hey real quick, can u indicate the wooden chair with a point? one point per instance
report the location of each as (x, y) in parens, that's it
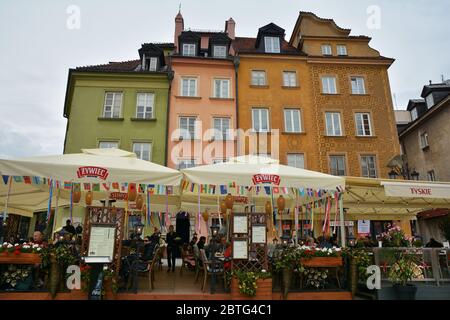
(150, 270)
(209, 268)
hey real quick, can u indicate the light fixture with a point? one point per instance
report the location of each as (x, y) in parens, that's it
(214, 230)
(138, 229)
(415, 175)
(392, 174)
(351, 241)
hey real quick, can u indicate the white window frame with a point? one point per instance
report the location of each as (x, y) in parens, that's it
(335, 170)
(260, 124)
(256, 77)
(374, 170)
(330, 128)
(431, 175)
(153, 64)
(414, 114)
(289, 78)
(221, 134)
(192, 163)
(272, 44)
(185, 132)
(295, 160)
(146, 114)
(289, 114)
(429, 100)
(359, 120)
(116, 143)
(189, 49)
(113, 107)
(423, 137)
(220, 160)
(329, 83)
(341, 50)
(358, 85)
(141, 150)
(219, 51)
(221, 94)
(327, 50)
(189, 81)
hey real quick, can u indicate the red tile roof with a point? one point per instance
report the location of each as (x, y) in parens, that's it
(125, 66)
(247, 45)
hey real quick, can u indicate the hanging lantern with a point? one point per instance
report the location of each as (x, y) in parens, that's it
(89, 198)
(139, 201)
(223, 208)
(281, 203)
(132, 192)
(205, 216)
(76, 194)
(268, 207)
(229, 201)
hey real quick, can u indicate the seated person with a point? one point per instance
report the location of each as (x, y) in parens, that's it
(188, 257)
(222, 246)
(149, 248)
(324, 243)
(38, 238)
(271, 248)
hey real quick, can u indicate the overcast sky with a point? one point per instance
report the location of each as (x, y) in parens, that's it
(37, 47)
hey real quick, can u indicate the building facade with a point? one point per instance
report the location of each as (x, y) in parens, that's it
(121, 105)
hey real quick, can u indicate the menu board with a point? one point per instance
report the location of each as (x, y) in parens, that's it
(259, 234)
(240, 249)
(101, 242)
(363, 226)
(240, 223)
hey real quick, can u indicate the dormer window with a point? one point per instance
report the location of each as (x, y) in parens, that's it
(188, 49)
(220, 51)
(430, 100)
(414, 114)
(272, 44)
(150, 64)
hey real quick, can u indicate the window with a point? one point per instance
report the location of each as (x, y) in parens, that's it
(220, 51)
(221, 88)
(258, 78)
(424, 140)
(368, 167)
(333, 123)
(358, 85)
(289, 79)
(292, 120)
(113, 104)
(189, 87)
(414, 114)
(144, 107)
(341, 50)
(187, 127)
(272, 44)
(260, 120)
(337, 165)
(150, 64)
(186, 163)
(108, 145)
(430, 100)
(221, 128)
(326, 50)
(431, 175)
(143, 151)
(220, 160)
(296, 160)
(188, 49)
(329, 85)
(363, 126)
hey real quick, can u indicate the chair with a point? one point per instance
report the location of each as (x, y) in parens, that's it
(186, 260)
(209, 268)
(151, 265)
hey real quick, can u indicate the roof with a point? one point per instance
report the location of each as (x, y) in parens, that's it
(248, 45)
(413, 103)
(125, 66)
(445, 86)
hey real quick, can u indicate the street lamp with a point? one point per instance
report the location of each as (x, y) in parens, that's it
(415, 175)
(214, 230)
(393, 175)
(351, 241)
(138, 228)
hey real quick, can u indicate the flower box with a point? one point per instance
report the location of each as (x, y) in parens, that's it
(263, 291)
(322, 262)
(22, 258)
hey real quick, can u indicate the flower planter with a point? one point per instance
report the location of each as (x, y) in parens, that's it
(407, 292)
(109, 292)
(22, 258)
(322, 262)
(263, 291)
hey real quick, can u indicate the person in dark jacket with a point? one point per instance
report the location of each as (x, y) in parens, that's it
(69, 227)
(172, 248)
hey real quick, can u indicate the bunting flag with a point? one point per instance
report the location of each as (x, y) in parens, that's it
(169, 190)
(5, 179)
(18, 179)
(106, 186)
(76, 187)
(285, 190)
(87, 186)
(276, 190)
(27, 179)
(96, 187)
(267, 190)
(37, 180)
(148, 213)
(123, 187)
(223, 189)
(115, 186)
(49, 208)
(68, 185)
(336, 197)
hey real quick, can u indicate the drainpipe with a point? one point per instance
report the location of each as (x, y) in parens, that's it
(170, 76)
(236, 62)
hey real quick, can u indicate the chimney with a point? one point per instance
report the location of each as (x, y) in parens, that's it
(179, 27)
(230, 26)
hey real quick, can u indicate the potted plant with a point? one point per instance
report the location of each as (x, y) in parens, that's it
(253, 285)
(110, 284)
(285, 262)
(402, 272)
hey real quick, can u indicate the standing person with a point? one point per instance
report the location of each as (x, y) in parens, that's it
(69, 227)
(172, 247)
